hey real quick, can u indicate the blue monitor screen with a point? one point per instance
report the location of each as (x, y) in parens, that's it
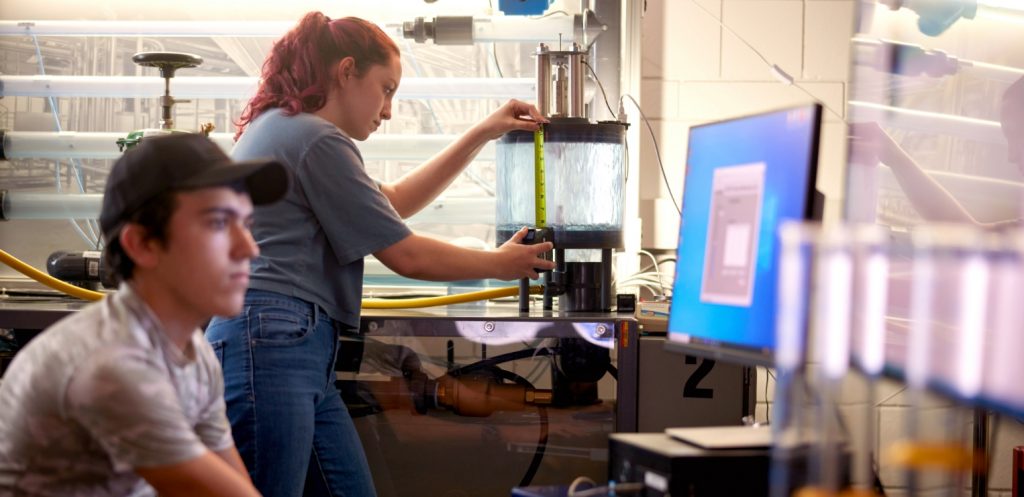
(743, 178)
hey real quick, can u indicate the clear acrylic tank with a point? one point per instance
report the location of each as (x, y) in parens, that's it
(584, 179)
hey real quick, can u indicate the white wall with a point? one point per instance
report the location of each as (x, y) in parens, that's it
(694, 71)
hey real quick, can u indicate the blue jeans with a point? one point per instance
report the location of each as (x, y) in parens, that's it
(288, 420)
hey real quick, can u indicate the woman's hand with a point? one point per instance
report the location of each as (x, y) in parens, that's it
(522, 261)
(514, 115)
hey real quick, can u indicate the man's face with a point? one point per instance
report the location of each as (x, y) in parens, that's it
(204, 264)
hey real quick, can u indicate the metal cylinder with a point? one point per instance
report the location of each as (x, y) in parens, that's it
(167, 117)
(524, 295)
(577, 76)
(453, 30)
(543, 80)
(561, 107)
(607, 290)
(583, 286)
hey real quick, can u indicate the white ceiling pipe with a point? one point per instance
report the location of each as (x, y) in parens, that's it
(242, 87)
(928, 122)
(29, 205)
(485, 29)
(146, 28)
(515, 28)
(25, 205)
(95, 145)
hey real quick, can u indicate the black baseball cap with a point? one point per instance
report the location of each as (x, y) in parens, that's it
(181, 161)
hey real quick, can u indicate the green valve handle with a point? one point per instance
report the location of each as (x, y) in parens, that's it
(540, 204)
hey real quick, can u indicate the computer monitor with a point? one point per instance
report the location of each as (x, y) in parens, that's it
(744, 177)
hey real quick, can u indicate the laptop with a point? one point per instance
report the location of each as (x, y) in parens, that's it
(724, 437)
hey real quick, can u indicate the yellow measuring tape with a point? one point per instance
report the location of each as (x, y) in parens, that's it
(540, 210)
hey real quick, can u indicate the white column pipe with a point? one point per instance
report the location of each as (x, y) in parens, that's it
(146, 28)
(96, 145)
(514, 28)
(929, 122)
(25, 205)
(485, 29)
(242, 87)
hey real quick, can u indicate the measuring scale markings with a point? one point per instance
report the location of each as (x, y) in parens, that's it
(540, 203)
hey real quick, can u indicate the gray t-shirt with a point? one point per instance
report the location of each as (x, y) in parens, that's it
(312, 243)
(102, 392)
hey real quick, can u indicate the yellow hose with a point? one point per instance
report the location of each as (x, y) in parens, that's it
(84, 294)
(447, 299)
(48, 280)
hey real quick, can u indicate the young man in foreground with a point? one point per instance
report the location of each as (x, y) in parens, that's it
(125, 397)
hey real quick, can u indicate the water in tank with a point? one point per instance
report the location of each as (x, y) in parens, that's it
(584, 180)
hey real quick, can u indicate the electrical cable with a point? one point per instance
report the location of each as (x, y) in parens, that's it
(494, 54)
(649, 286)
(653, 289)
(776, 71)
(537, 370)
(494, 45)
(661, 281)
(657, 151)
(640, 280)
(542, 444)
(651, 281)
(599, 85)
(418, 72)
(503, 358)
(535, 373)
(542, 412)
(580, 480)
(542, 439)
(891, 396)
(549, 14)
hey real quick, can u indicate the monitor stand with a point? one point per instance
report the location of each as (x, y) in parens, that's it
(724, 437)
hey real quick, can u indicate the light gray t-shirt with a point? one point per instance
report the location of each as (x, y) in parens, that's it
(102, 392)
(312, 243)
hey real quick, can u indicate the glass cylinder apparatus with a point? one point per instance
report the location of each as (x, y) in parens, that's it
(584, 176)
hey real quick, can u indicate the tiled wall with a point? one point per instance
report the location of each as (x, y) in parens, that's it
(695, 71)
